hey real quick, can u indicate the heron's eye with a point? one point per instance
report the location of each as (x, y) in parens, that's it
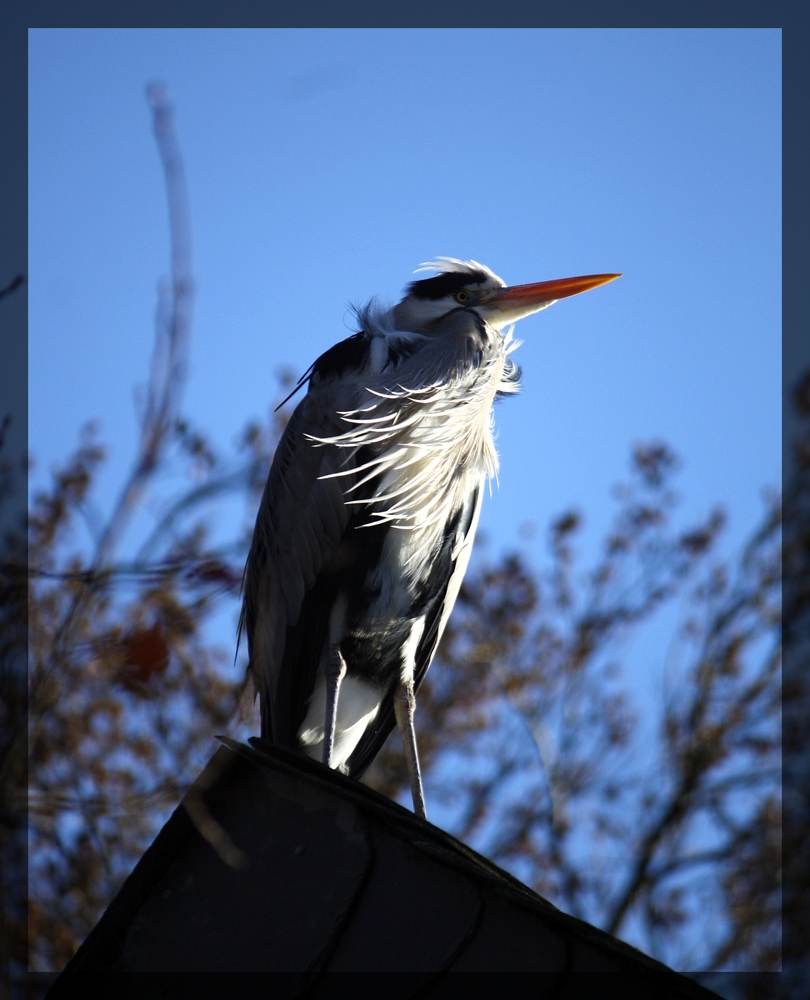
(462, 297)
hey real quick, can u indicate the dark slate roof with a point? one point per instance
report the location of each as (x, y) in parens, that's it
(312, 874)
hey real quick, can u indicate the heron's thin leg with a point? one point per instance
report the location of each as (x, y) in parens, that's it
(404, 708)
(335, 672)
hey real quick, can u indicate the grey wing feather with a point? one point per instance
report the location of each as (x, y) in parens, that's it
(300, 521)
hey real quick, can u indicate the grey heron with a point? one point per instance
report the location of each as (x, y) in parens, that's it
(367, 520)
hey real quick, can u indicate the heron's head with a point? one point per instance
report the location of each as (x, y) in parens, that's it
(466, 284)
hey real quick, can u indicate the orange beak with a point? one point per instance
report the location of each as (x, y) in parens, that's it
(507, 305)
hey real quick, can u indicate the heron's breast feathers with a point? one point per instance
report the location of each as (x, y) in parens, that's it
(410, 452)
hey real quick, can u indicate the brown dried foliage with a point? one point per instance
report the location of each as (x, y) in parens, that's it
(534, 746)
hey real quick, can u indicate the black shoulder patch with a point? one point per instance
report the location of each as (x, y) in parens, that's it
(349, 354)
(446, 283)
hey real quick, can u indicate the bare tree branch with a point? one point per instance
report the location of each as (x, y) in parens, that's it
(173, 325)
(12, 286)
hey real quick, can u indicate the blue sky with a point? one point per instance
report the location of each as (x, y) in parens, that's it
(324, 165)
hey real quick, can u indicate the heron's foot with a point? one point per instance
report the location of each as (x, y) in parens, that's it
(404, 709)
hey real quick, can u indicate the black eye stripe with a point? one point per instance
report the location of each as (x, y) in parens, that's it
(445, 284)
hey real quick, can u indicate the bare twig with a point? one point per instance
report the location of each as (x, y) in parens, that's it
(12, 286)
(168, 363)
(173, 324)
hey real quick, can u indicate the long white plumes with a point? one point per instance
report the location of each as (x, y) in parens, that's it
(428, 439)
(456, 266)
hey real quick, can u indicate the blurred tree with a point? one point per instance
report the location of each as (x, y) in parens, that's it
(13, 881)
(796, 704)
(663, 829)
